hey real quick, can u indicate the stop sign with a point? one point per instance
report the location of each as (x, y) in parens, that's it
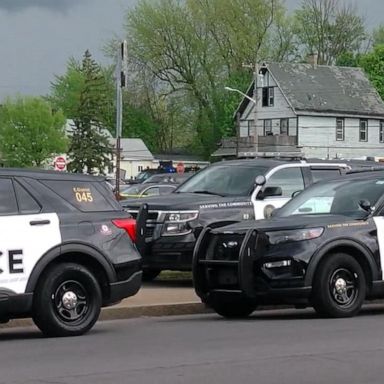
(60, 163)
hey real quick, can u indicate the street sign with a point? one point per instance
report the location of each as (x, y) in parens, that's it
(60, 163)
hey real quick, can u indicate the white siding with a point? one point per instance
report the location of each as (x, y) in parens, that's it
(280, 110)
(132, 166)
(317, 136)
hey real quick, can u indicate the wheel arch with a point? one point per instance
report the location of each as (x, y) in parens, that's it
(77, 253)
(358, 251)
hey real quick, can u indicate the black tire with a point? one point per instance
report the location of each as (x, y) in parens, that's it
(339, 286)
(150, 274)
(67, 300)
(232, 307)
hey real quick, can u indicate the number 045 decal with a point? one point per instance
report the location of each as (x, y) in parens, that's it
(83, 195)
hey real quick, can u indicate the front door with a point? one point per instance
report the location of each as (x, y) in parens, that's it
(289, 179)
(26, 235)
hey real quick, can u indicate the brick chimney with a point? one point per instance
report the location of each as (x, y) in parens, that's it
(312, 59)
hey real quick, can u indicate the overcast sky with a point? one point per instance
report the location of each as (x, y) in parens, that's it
(37, 37)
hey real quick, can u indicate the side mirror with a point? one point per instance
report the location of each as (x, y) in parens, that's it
(260, 180)
(270, 192)
(365, 205)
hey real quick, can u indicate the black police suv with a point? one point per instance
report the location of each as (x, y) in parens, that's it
(324, 248)
(66, 250)
(224, 191)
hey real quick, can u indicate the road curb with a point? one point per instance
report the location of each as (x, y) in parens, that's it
(116, 313)
(121, 313)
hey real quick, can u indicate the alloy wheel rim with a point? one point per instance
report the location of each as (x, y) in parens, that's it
(71, 302)
(343, 286)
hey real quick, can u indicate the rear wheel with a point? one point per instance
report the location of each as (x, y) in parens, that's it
(150, 274)
(67, 300)
(339, 286)
(232, 307)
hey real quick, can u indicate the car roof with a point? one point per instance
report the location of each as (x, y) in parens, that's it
(364, 174)
(354, 175)
(268, 163)
(273, 162)
(36, 173)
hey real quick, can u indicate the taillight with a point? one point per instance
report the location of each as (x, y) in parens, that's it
(129, 225)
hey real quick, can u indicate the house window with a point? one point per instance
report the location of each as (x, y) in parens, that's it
(268, 127)
(284, 126)
(265, 79)
(250, 128)
(363, 131)
(140, 168)
(340, 129)
(268, 96)
(381, 131)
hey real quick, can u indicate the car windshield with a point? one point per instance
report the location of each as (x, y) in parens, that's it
(131, 190)
(339, 197)
(223, 180)
(162, 177)
(143, 175)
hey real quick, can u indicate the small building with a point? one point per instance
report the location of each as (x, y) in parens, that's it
(318, 111)
(135, 156)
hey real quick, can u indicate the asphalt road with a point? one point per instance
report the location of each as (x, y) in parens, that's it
(288, 346)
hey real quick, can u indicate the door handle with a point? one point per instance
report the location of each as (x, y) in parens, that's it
(39, 222)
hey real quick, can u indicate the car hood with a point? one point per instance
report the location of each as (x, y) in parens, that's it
(285, 223)
(175, 201)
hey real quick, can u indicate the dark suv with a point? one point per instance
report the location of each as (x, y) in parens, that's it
(227, 191)
(66, 250)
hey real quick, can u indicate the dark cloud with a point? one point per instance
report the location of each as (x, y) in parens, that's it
(54, 5)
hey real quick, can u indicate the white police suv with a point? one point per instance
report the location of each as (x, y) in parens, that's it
(66, 250)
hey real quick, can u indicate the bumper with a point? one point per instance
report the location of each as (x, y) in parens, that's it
(242, 276)
(173, 253)
(122, 289)
(15, 305)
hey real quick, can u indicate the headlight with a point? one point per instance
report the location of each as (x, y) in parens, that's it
(177, 217)
(294, 235)
(176, 223)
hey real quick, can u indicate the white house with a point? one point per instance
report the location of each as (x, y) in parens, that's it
(135, 156)
(321, 111)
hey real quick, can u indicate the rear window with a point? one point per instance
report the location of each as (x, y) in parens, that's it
(84, 195)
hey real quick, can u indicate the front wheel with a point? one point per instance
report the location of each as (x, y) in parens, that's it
(339, 286)
(232, 307)
(67, 300)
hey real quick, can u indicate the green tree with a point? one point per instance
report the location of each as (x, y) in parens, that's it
(85, 93)
(156, 118)
(195, 48)
(373, 65)
(378, 36)
(329, 28)
(30, 132)
(348, 59)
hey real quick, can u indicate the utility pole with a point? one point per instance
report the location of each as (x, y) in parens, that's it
(255, 97)
(237, 133)
(121, 82)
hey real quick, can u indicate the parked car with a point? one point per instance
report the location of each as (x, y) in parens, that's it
(146, 189)
(324, 248)
(168, 178)
(225, 191)
(144, 175)
(66, 250)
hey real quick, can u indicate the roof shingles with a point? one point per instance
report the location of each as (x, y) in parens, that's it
(327, 89)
